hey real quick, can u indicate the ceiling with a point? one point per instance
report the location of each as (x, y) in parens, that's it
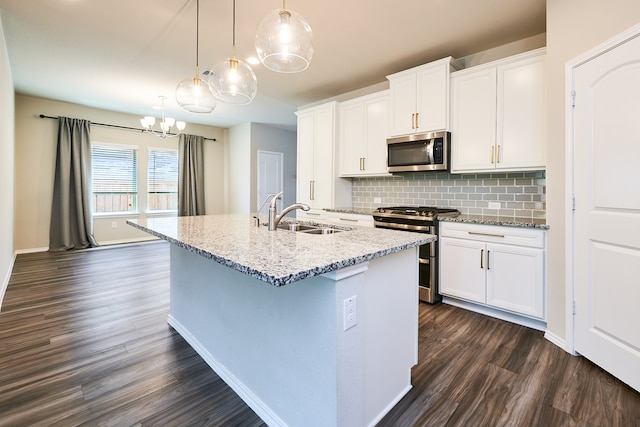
(121, 55)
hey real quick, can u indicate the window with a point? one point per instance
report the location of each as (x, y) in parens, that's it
(114, 178)
(162, 180)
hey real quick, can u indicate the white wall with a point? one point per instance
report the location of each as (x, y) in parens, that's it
(6, 166)
(35, 151)
(238, 162)
(573, 27)
(268, 138)
(244, 142)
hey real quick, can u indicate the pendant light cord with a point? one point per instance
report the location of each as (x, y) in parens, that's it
(234, 25)
(197, 32)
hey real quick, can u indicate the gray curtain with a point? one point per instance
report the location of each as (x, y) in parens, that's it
(71, 222)
(191, 175)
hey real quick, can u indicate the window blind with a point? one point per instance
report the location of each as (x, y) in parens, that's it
(162, 179)
(114, 178)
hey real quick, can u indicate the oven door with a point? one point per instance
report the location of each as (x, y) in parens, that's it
(427, 260)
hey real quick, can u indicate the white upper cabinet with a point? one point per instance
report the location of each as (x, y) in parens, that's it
(498, 115)
(364, 127)
(420, 98)
(318, 184)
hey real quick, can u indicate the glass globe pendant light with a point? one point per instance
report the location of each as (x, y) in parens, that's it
(233, 81)
(194, 94)
(284, 41)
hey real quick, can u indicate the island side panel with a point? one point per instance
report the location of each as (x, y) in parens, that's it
(391, 331)
(281, 348)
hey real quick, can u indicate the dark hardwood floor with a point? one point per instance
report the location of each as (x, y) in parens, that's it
(84, 341)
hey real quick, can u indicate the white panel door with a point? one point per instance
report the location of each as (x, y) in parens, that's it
(270, 178)
(606, 269)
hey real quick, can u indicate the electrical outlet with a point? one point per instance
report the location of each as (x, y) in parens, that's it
(495, 205)
(350, 312)
(377, 200)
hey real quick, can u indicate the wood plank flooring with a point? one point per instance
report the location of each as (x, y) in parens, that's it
(84, 341)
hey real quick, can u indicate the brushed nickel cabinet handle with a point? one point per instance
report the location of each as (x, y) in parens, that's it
(417, 120)
(364, 167)
(492, 153)
(498, 154)
(488, 263)
(481, 257)
(475, 233)
(413, 121)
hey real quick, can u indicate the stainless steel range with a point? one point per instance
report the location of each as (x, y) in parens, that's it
(421, 219)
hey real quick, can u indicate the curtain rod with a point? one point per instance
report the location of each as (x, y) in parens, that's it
(42, 116)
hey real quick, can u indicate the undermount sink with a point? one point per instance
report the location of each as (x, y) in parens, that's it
(308, 229)
(294, 226)
(322, 231)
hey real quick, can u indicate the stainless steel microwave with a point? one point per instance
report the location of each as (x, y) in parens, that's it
(419, 152)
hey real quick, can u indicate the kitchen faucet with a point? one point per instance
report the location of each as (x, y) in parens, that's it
(274, 218)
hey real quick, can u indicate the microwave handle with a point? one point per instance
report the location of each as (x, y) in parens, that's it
(430, 157)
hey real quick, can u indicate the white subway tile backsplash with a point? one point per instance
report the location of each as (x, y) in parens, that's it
(521, 194)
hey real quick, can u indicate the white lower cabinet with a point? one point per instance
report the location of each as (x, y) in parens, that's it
(498, 267)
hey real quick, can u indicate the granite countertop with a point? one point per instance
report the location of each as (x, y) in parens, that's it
(359, 211)
(497, 220)
(277, 257)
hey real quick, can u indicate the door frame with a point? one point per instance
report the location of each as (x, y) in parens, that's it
(570, 68)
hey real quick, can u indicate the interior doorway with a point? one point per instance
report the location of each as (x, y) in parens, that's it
(270, 178)
(604, 224)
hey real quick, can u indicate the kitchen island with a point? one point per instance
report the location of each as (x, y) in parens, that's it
(307, 329)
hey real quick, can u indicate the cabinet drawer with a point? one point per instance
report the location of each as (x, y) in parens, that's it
(528, 237)
(349, 219)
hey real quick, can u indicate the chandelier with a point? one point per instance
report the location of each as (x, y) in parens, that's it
(166, 123)
(284, 41)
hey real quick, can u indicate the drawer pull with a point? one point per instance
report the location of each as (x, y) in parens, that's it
(485, 234)
(488, 263)
(348, 219)
(481, 257)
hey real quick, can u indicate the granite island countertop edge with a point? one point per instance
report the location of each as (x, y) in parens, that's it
(280, 275)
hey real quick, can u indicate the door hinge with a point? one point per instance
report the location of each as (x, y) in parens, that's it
(573, 307)
(573, 203)
(573, 98)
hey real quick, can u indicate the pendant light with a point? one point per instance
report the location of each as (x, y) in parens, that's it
(284, 41)
(233, 81)
(194, 94)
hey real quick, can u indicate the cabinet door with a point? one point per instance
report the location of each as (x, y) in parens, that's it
(323, 165)
(305, 157)
(521, 130)
(377, 130)
(432, 99)
(473, 120)
(403, 105)
(515, 279)
(462, 272)
(352, 138)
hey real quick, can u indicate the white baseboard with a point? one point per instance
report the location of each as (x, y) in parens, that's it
(5, 282)
(250, 398)
(557, 341)
(125, 241)
(499, 314)
(31, 250)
